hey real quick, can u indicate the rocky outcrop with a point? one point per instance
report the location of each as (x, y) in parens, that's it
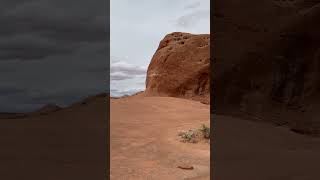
(181, 67)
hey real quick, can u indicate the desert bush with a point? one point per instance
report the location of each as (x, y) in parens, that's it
(188, 136)
(205, 131)
(195, 135)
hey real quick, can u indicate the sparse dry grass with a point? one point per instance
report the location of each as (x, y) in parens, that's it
(195, 135)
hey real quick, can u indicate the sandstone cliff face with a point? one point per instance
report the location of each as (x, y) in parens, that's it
(181, 67)
(267, 62)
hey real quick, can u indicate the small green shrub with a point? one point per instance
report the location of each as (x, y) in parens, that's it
(188, 136)
(195, 135)
(205, 131)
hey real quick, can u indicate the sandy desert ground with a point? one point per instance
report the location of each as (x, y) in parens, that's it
(68, 144)
(247, 150)
(144, 139)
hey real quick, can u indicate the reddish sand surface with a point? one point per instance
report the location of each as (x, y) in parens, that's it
(247, 150)
(144, 139)
(68, 144)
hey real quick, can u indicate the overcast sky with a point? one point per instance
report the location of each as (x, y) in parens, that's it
(136, 30)
(52, 51)
(56, 51)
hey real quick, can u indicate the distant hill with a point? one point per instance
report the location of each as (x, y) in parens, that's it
(11, 115)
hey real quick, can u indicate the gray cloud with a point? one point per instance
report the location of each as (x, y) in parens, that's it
(193, 18)
(119, 76)
(41, 28)
(121, 70)
(119, 93)
(28, 47)
(52, 51)
(193, 5)
(10, 90)
(61, 98)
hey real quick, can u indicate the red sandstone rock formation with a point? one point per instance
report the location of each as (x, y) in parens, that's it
(181, 67)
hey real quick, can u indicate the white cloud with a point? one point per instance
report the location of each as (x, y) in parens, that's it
(121, 70)
(126, 78)
(124, 67)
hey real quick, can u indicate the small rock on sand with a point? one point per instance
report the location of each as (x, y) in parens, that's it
(186, 167)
